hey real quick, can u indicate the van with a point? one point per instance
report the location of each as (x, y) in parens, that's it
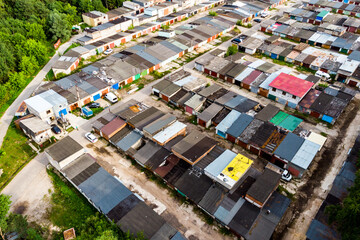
(111, 97)
(323, 75)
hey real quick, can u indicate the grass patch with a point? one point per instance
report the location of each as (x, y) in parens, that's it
(50, 76)
(323, 134)
(15, 153)
(225, 38)
(70, 129)
(324, 85)
(203, 215)
(192, 119)
(73, 45)
(304, 69)
(285, 192)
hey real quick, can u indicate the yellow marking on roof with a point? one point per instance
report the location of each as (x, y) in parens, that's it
(237, 167)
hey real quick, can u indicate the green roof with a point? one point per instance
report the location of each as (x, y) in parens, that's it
(290, 123)
(279, 117)
(322, 14)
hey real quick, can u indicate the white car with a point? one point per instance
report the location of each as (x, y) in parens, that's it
(323, 75)
(111, 97)
(264, 15)
(107, 52)
(91, 137)
(286, 175)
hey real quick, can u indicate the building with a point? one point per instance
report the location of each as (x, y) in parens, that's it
(194, 104)
(48, 105)
(260, 192)
(111, 128)
(36, 129)
(288, 89)
(205, 117)
(95, 18)
(225, 124)
(64, 152)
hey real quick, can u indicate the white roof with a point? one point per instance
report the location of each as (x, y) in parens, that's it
(219, 164)
(305, 154)
(53, 98)
(169, 132)
(38, 104)
(256, 64)
(244, 74)
(316, 138)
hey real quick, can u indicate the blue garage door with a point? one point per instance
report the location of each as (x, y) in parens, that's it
(115, 86)
(221, 134)
(63, 112)
(96, 97)
(273, 56)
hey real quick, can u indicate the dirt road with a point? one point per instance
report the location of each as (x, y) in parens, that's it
(181, 216)
(310, 196)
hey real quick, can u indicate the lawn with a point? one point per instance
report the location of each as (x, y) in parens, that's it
(14, 154)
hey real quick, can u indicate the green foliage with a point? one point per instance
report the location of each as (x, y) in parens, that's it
(73, 45)
(347, 214)
(131, 27)
(213, 13)
(59, 27)
(324, 85)
(239, 23)
(231, 50)
(165, 26)
(4, 209)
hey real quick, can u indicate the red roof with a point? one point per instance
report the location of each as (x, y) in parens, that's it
(252, 76)
(113, 126)
(290, 84)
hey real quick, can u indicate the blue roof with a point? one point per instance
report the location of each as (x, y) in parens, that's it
(128, 141)
(277, 204)
(289, 146)
(240, 125)
(148, 57)
(227, 121)
(305, 154)
(178, 236)
(171, 46)
(65, 83)
(90, 69)
(355, 55)
(348, 171)
(219, 164)
(320, 231)
(232, 103)
(87, 87)
(104, 190)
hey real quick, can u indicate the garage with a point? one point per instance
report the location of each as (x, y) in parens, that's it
(115, 86)
(96, 97)
(352, 83)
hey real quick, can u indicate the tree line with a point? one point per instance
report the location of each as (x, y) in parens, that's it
(28, 30)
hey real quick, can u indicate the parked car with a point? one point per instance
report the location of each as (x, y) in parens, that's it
(91, 137)
(94, 105)
(111, 97)
(258, 20)
(264, 15)
(236, 40)
(286, 175)
(55, 129)
(324, 76)
(107, 52)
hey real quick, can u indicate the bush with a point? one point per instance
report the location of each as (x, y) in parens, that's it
(231, 50)
(212, 13)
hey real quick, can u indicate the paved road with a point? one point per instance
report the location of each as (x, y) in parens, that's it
(30, 88)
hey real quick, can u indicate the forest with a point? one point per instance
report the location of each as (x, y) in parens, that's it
(28, 30)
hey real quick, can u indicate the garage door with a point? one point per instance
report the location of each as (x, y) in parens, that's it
(115, 86)
(63, 112)
(352, 83)
(96, 97)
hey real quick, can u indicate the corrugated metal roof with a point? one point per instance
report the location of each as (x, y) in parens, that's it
(267, 112)
(64, 149)
(146, 152)
(225, 214)
(239, 125)
(128, 141)
(169, 132)
(226, 123)
(232, 103)
(210, 112)
(159, 124)
(195, 101)
(305, 154)
(209, 90)
(289, 146)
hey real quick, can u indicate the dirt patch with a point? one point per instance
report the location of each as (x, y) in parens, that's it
(102, 151)
(307, 192)
(20, 207)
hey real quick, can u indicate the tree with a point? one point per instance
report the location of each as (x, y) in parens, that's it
(232, 50)
(28, 65)
(107, 235)
(36, 49)
(58, 25)
(85, 6)
(4, 209)
(97, 5)
(17, 80)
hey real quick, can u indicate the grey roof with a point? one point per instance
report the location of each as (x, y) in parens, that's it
(209, 90)
(195, 101)
(35, 124)
(267, 112)
(225, 98)
(289, 146)
(159, 124)
(145, 117)
(165, 232)
(210, 112)
(320, 231)
(128, 141)
(212, 199)
(244, 218)
(80, 166)
(335, 107)
(63, 149)
(264, 185)
(239, 125)
(251, 129)
(141, 219)
(146, 152)
(170, 90)
(209, 158)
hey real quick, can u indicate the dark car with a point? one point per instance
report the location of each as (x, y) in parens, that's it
(236, 40)
(257, 20)
(55, 129)
(94, 105)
